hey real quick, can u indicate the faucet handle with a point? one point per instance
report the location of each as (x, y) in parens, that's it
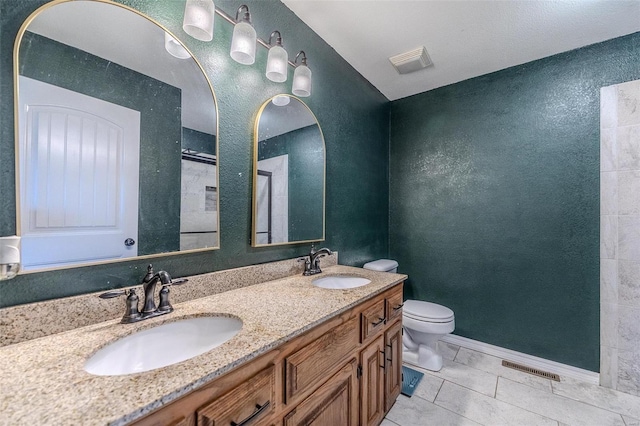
(307, 264)
(165, 305)
(131, 314)
(178, 281)
(149, 274)
(111, 294)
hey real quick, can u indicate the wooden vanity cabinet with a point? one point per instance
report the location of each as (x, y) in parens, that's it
(346, 371)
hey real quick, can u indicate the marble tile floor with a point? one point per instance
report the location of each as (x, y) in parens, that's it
(475, 389)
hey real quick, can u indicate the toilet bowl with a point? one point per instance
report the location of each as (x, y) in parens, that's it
(424, 323)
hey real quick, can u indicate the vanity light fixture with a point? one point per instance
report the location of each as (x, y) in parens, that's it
(243, 43)
(9, 257)
(174, 47)
(277, 61)
(198, 19)
(301, 77)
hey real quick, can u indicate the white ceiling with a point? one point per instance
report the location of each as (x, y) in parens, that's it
(465, 38)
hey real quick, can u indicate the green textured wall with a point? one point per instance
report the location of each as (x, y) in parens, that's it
(55, 63)
(306, 167)
(494, 200)
(198, 141)
(354, 120)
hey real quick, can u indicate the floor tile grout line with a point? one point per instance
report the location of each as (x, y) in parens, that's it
(592, 405)
(522, 408)
(457, 414)
(496, 399)
(559, 396)
(439, 389)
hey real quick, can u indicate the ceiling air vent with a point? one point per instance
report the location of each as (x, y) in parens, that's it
(411, 61)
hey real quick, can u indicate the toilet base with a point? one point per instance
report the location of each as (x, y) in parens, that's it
(425, 357)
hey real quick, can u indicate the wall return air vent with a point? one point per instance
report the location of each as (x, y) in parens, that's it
(411, 61)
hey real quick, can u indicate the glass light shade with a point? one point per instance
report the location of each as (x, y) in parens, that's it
(277, 64)
(198, 19)
(281, 100)
(174, 47)
(243, 43)
(302, 81)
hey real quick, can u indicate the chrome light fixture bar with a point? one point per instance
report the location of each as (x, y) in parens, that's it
(224, 15)
(243, 50)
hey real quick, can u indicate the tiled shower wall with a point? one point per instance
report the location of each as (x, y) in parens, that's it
(620, 237)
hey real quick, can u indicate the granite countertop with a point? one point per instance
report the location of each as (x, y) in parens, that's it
(43, 380)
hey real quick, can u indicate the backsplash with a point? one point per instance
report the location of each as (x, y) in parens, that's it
(620, 237)
(26, 322)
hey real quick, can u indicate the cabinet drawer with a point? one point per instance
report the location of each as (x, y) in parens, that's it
(306, 367)
(372, 319)
(253, 399)
(394, 306)
(335, 403)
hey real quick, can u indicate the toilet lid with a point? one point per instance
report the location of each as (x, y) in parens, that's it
(384, 265)
(428, 311)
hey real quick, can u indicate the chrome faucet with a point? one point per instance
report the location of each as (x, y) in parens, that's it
(312, 262)
(149, 310)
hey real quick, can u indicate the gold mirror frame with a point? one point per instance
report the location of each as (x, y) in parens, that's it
(256, 141)
(18, 185)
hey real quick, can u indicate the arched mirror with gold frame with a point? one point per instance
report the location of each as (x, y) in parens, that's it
(289, 159)
(116, 139)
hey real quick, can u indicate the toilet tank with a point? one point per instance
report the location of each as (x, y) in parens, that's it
(383, 265)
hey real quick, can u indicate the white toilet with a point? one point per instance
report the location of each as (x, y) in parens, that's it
(423, 323)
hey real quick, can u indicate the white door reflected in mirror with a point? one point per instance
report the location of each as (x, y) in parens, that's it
(79, 160)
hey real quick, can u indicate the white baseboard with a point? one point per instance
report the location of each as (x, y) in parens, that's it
(521, 358)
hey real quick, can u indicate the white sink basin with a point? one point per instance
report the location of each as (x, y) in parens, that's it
(163, 345)
(340, 281)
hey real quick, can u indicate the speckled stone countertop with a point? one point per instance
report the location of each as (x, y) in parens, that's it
(43, 380)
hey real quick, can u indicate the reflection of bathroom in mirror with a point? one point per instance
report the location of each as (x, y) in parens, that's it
(289, 174)
(116, 139)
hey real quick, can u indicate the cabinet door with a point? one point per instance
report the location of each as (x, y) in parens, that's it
(372, 383)
(393, 362)
(334, 403)
(251, 402)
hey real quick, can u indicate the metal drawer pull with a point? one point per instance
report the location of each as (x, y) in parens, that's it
(256, 413)
(375, 324)
(398, 307)
(384, 355)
